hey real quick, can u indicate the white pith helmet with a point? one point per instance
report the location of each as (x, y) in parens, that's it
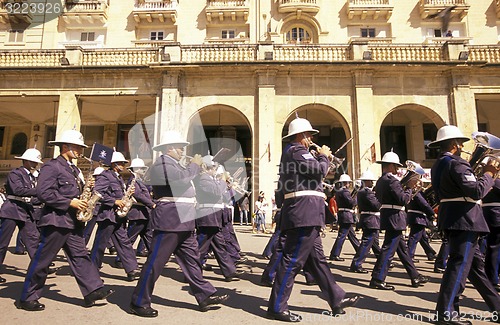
(70, 137)
(170, 137)
(137, 163)
(345, 178)
(32, 154)
(207, 160)
(299, 125)
(98, 171)
(390, 157)
(447, 132)
(118, 157)
(367, 175)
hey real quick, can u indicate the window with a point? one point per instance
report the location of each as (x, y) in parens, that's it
(367, 32)
(430, 131)
(19, 144)
(228, 34)
(16, 36)
(436, 32)
(2, 132)
(298, 35)
(87, 36)
(156, 36)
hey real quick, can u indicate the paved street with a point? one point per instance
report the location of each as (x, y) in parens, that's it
(247, 303)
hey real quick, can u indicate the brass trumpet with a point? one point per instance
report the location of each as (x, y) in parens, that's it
(335, 162)
(413, 171)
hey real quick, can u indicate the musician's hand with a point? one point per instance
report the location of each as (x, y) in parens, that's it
(120, 203)
(325, 150)
(490, 168)
(197, 159)
(78, 204)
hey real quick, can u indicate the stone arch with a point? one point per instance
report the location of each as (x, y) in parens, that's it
(304, 20)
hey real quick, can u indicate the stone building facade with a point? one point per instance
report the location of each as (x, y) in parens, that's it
(382, 72)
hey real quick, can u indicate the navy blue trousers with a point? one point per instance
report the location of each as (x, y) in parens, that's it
(28, 231)
(52, 239)
(303, 246)
(369, 240)
(212, 237)
(465, 262)
(346, 230)
(442, 256)
(185, 247)
(492, 258)
(418, 235)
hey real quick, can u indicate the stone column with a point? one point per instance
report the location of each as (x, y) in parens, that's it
(170, 116)
(363, 123)
(68, 115)
(463, 106)
(267, 139)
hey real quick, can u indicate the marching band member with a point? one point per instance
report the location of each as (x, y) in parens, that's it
(139, 214)
(462, 220)
(209, 221)
(420, 216)
(303, 215)
(369, 221)
(393, 198)
(345, 216)
(173, 223)
(111, 186)
(59, 185)
(491, 210)
(18, 209)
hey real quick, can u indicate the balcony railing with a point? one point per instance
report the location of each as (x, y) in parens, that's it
(157, 10)
(227, 9)
(11, 12)
(244, 53)
(372, 9)
(430, 7)
(87, 11)
(286, 6)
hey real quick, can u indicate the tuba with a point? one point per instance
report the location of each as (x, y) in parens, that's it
(413, 171)
(486, 151)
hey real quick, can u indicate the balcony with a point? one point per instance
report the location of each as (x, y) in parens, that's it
(12, 12)
(430, 7)
(231, 10)
(298, 6)
(148, 11)
(369, 9)
(85, 11)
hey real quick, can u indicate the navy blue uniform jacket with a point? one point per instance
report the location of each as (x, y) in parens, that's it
(390, 191)
(18, 184)
(346, 201)
(418, 203)
(367, 202)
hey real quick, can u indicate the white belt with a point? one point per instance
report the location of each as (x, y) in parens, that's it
(346, 209)
(462, 199)
(491, 204)
(416, 211)
(391, 206)
(370, 212)
(178, 199)
(304, 193)
(210, 205)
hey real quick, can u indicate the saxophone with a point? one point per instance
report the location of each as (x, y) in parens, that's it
(127, 198)
(90, 196)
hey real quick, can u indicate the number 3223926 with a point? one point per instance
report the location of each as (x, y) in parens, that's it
(32, 8)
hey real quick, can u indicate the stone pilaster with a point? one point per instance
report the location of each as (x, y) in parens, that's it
(68, 115)
(267, 142)
(171, 111)
(364, 131)
(463, 105)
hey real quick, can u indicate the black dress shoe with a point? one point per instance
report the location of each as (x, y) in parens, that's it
(242, 254)
(392, 265)
(118, 264)
(143, 253)
(133, 275)
(241, 260)
(234, 277)
(337, 258)
(2, 280)
(344, 303)
(419, 281)
(375, 284)
(53, 270)
(311, 283)
(285, 316)
(211, 301)
(206, 267)
(52, 264)
(112, 250)
(20, 252)
(431, 257)
(266, 282)
(143, 311)
(32, 305)
(496, 286)
(360, 270)
(438, 269)
(99, 294)
(415, 261)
